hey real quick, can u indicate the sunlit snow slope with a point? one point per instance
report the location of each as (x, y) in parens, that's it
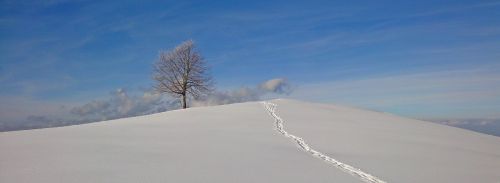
(241, 143)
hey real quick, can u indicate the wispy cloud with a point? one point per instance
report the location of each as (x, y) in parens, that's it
(460, 8)
(430, 94)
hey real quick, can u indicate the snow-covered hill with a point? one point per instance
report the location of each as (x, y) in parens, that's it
(281, 141)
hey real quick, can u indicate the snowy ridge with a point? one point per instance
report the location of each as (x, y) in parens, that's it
(271, 109)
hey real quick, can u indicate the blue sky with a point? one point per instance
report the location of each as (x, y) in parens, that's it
(422, 59)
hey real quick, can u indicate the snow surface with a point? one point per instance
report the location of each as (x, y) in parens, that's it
(271, 108)
(240, 143)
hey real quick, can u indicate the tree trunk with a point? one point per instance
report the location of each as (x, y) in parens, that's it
(184, 104)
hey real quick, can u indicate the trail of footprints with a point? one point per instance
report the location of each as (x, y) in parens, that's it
(271, 109)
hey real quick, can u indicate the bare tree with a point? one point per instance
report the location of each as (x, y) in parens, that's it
(181, 72)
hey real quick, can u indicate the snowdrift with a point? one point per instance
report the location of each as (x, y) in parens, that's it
(244, 143)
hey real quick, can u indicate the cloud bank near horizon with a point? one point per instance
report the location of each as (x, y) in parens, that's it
(486, 126)
(121, 104)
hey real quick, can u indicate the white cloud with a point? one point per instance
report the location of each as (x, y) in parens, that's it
(120, 105)
(278, 85)
(244, 94)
